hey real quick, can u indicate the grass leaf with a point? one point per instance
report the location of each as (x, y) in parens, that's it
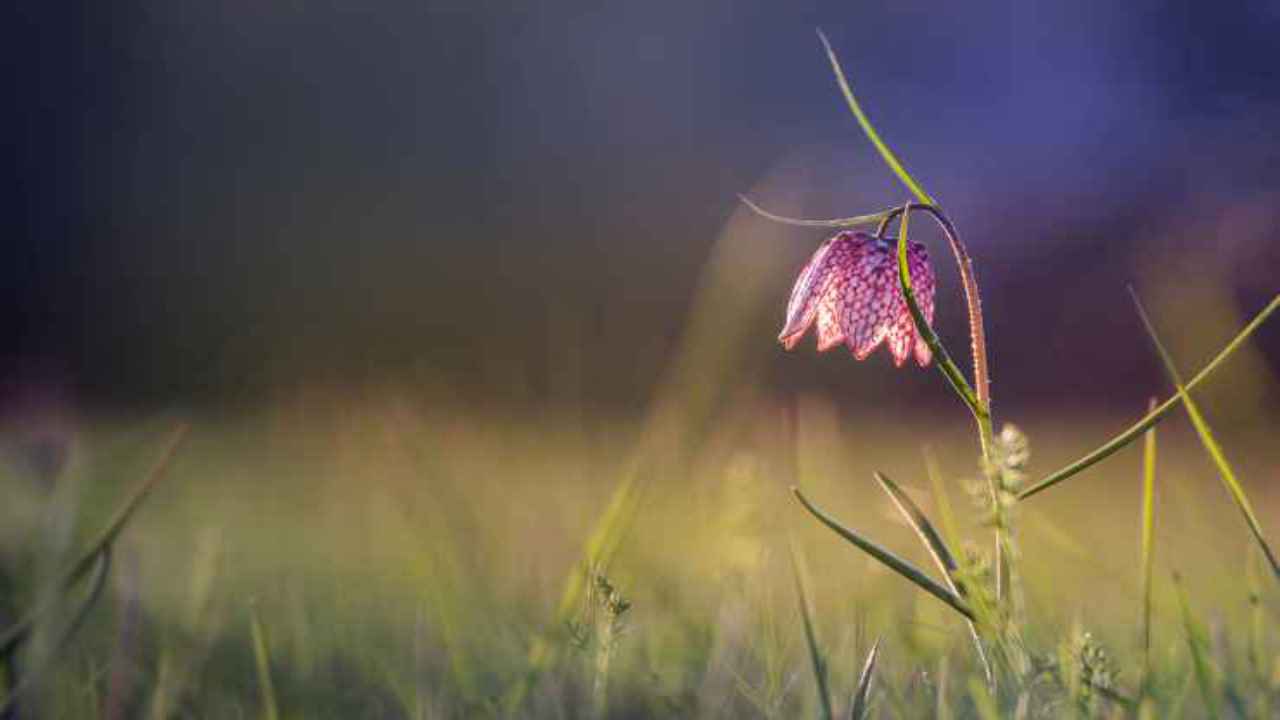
(810, 637)
(1148, 529)
(102, 563)
(1210, 443)
(893, 562)
(16, 633)
(262, 662)
(1118, 442)
(938, 550)
(864, 122)
(863, 693)
(1198, 643)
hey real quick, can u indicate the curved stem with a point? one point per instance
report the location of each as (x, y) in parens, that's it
(979, 400)
(973, 301)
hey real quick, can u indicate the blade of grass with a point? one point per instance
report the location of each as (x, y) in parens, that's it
(855, 221)
(869, 130)
(102, 563)
(893, 562)
(603, 542)
(262, 662)
(941, 554)
(983, 702)
(1210, 443)
(815, 653)
(1198, 643)
(862, 696)
(16, 633)
(1130, 434)
(1148, 529)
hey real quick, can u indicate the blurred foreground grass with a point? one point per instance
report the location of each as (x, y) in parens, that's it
(403, 558)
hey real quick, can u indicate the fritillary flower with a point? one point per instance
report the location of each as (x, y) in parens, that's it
(851, 288)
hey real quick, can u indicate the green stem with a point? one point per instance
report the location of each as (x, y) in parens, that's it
(979, 399)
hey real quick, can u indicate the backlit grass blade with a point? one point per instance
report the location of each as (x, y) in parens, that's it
(102, 561)
(818, 662)
(1148, 529)
(855, 221)
(861, 697)
(864, 122)
(1210, 443)
(21, 629)
(262, 663)
(1198, 644)
(938, 550)
(893, 562)
(1118, 442)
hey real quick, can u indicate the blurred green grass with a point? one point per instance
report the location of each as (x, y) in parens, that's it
(403, 558)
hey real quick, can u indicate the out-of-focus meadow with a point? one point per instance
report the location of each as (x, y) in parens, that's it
(452, 297)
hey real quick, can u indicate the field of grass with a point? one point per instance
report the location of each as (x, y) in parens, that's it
(400, 559)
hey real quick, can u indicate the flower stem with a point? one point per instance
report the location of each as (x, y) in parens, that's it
(978, 396)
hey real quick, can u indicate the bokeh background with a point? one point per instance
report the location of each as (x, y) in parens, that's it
(518, 200)
(431, 279)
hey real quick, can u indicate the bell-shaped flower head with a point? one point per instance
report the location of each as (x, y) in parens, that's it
(851, 288)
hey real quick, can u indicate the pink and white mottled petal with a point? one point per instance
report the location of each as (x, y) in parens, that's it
(851, 289)
(804, 299)
(829, 332)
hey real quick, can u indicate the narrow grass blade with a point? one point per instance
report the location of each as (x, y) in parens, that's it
(1198, 644)
(102, 563)
(855, 221)
(1148, 530)
(1118, 442)
(15, 634)
(863, 694)
(943, 358)
(938, 550)
(262, 662)
(924, 529)
(895, 563)
(864, 122)
(810, 637)
(983, 702)
(1210, 443)
(601, 545)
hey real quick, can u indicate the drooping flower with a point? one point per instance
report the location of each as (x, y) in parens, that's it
(850, 287)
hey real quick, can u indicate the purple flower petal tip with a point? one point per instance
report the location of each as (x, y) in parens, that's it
(850, 288)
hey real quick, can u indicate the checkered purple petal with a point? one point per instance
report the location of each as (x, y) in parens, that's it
(850, 288)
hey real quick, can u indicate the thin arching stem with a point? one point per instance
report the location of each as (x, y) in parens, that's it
(977, 332)
(979, 401)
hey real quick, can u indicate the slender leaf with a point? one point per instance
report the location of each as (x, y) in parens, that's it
(1198, 643)
(15, 634)
(864, 122)
(811, 640)
(262, 662)
(1148, 529)
(102, 563)
(855, 221)
(1225, 470)
(862, 696)
(938, 550)
(1130, 434)
(895, 563)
